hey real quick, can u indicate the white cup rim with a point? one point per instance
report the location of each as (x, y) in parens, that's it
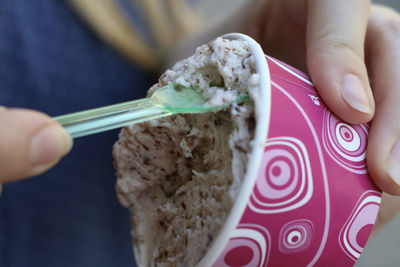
(262, 112)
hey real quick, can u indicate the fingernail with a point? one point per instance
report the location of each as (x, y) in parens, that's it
(393, 163)
(354, 93)
(49, 145)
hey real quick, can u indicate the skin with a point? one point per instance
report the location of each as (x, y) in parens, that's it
(31, 143)
(332, 39)
(329, 39)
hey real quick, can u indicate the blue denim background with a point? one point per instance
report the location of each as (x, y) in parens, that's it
(51, 62)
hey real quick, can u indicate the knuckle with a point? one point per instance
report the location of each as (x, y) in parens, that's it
(336, 43)
(331, 42)
(392, 27)
(386, 23)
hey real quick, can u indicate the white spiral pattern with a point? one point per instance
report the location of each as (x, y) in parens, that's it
(355, 232)
(285, 177)
(344, 143)
(249, 246)
(296, 236)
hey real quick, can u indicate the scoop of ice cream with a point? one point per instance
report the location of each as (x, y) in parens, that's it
(220, 70)
(179, 175)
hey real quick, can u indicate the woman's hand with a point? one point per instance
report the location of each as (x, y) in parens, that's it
(30, 143)
(326, 38)
(347, 47)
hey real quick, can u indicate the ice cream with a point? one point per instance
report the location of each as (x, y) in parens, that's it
(179, 175)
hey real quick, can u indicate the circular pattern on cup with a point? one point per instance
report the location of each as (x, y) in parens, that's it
(295, 236)
(249, 246)
(347, 137)
(344, 143)
(354, 234)
(281, 174)
(284, 181)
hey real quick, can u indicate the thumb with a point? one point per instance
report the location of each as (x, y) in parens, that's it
(335, 56)
(30, 143)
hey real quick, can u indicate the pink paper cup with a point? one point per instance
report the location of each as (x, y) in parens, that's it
(306, 199)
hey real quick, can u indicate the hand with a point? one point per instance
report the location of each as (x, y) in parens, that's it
(347, 47)
(30, 143)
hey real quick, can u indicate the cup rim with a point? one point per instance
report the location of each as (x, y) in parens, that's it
(262, 112)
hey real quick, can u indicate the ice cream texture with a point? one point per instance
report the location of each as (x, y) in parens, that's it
(179, 175)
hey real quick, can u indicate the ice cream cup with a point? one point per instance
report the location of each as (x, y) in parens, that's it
(306, 198)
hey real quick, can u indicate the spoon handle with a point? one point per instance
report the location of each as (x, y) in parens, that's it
(110, 117)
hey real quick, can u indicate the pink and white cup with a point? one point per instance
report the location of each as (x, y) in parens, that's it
(306, 199)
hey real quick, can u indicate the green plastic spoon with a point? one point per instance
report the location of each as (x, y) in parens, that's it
(166, 101)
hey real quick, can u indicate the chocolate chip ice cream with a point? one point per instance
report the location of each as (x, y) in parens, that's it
(179, 175)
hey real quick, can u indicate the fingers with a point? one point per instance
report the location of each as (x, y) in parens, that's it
(383, 154)
(335, 56)
(30, 143)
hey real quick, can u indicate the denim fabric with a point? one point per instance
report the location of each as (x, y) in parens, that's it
(70, 216)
